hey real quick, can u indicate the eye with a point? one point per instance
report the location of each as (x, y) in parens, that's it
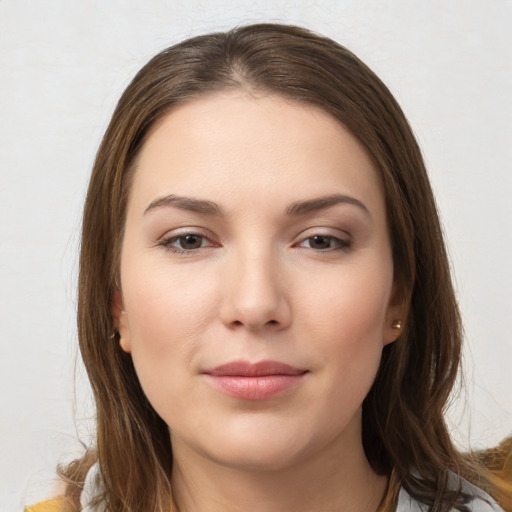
(324, 243)
(185, 243)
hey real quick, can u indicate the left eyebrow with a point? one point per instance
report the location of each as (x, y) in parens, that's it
(320, 203)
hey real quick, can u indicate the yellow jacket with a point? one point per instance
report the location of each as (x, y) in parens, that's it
(59, 504)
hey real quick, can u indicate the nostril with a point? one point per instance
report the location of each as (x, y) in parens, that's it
(239, 323)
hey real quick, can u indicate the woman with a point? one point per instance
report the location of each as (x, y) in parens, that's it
(266, 312)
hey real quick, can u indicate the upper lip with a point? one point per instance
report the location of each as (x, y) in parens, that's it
(258, 369)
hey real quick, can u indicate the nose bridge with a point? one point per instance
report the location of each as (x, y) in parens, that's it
(255, 295)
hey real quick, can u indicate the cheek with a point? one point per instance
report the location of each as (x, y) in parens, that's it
(168, 313)
(348, 307)
(348, 325)
(163, 300)
(346, 318)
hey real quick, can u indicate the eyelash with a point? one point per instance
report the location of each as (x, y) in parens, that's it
(167, 243)
(340, 244)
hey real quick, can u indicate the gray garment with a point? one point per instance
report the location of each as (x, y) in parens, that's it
(481, 502)
(92, 486)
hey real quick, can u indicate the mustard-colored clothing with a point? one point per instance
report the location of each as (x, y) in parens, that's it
(59, 504)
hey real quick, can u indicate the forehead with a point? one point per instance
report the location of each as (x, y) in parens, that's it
(229, 145)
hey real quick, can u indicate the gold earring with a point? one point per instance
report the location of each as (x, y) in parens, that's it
(397, 324)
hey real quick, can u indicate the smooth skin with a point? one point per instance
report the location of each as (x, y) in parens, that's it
(229, 255)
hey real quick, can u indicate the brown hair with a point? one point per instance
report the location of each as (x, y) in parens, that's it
(403, 420)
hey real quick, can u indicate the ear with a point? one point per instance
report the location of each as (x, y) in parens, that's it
(396, 316)
(120, 320)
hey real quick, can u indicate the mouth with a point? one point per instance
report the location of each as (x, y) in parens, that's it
(254, 381)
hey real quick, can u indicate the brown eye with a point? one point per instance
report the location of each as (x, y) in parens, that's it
(190, 242)
(320, 242)
(325, 243)
(185, 243)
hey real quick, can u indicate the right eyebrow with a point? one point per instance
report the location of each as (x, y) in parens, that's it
(185, 203)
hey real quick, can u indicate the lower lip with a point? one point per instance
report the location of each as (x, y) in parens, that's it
(254, 388)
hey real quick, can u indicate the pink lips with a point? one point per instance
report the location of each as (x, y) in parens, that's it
(254, 381)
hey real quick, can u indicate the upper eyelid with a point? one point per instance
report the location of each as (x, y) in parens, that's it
(325, 231)
(341, 241)
(184, 231)
(169, 239)
(168, 242)
(173, 239)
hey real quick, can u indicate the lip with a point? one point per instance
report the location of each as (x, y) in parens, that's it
(254, 381)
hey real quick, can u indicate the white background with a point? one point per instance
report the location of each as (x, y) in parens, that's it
(64, 64)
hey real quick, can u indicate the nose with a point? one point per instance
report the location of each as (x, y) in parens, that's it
(255, 293)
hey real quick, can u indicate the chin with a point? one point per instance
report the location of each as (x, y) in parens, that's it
(262, 449)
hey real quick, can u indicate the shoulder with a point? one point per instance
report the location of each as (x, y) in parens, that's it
(59, 504)
(477, 501)
(92, 489)
(86, 501)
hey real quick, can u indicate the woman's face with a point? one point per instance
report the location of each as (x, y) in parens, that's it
(256, 279)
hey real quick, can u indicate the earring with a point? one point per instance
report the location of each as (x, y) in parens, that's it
(114, 335)
(397, 324)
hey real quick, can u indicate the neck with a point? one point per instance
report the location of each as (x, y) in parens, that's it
(339, 479)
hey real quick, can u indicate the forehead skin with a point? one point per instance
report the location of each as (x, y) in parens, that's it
(196, 139)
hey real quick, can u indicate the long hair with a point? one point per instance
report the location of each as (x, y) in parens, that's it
(404, 431)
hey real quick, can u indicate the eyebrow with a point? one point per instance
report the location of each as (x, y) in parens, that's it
(320, 203)
(210, 208)
(186, 203)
